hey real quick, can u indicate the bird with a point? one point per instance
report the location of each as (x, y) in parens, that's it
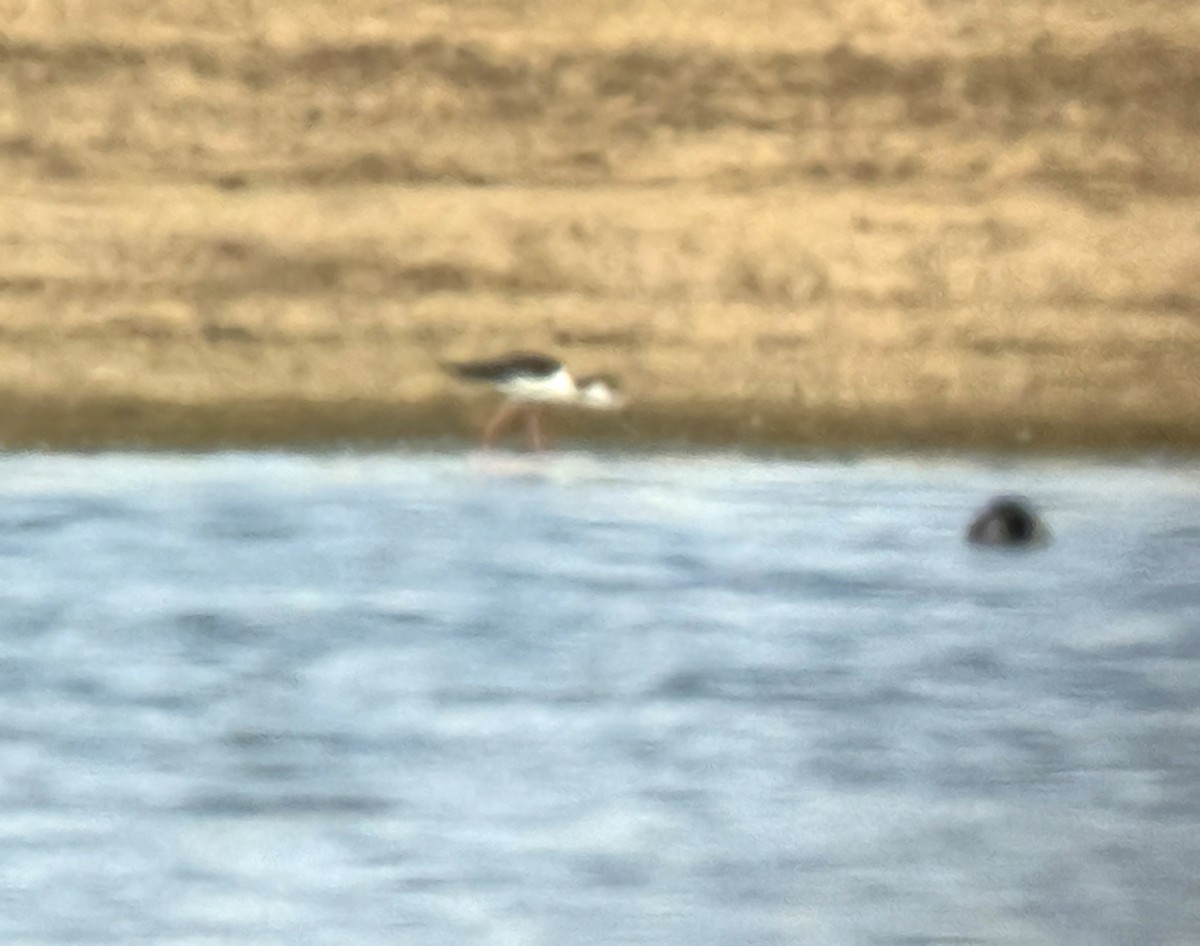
(529, 380)
(1010, 521)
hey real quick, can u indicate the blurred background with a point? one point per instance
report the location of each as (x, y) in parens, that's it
(282, 663)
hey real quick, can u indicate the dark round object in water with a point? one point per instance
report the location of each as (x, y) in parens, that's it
(1008, 520)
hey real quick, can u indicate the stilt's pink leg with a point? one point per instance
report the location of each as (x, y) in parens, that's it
(534, 427)
(503, 413)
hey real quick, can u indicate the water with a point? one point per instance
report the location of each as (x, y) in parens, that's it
(446, 699)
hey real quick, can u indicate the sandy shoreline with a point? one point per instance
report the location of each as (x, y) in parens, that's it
(287, 317)
(269, 234)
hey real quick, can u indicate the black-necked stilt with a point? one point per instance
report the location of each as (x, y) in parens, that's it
(529, 380)
(1008, 520)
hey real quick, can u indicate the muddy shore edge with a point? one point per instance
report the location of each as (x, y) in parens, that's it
(94, 423)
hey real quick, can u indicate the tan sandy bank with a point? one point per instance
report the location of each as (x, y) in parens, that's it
(270, 233)
(799, 315)
(188, 316)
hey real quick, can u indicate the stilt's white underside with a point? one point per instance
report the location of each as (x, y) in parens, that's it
(557, 387)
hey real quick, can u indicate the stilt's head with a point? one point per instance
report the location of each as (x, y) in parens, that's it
(599, 392)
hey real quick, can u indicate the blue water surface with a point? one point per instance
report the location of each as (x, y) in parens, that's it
(439, 698)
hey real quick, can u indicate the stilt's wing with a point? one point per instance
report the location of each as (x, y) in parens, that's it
(497, 370)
